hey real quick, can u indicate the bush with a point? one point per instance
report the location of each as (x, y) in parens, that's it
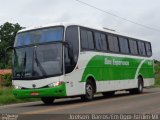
(2, 65)
(1, 92)
(7, 80)
(7, 97)
(157, 73)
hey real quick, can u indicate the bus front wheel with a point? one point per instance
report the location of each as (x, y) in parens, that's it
(47, 100)
(89, 95)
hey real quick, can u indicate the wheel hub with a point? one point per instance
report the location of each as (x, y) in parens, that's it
(89, 90)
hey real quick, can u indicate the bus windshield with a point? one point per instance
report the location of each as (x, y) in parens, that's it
(39, 61)
(39, 36)
(38, 53)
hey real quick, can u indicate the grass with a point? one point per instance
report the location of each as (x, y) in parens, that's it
(157, 81)
(6, 97)
(157, 74)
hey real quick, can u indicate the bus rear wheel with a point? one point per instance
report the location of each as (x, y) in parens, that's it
(89, 95)
(47, 100)
(138, 90)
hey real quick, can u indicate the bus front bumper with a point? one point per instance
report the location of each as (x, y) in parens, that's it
(58, 91)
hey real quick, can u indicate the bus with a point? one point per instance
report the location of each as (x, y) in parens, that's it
(72, 60)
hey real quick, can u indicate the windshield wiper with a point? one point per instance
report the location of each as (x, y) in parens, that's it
(22, 73)
(39, 64)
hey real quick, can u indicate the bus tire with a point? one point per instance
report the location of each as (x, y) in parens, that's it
(138, 90)
(108, 94)
(140, 85)
(89, 88)
(47, 100)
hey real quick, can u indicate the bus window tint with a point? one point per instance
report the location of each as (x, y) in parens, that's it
(133, 47)
(72, 50)
(113, 43)
(87, 39)
(123, 42)
(141, 48)
(148, 49)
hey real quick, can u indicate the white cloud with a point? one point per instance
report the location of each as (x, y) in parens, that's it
(37, 12)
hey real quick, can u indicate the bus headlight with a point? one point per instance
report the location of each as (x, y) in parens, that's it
(17, 87)
(56, 84)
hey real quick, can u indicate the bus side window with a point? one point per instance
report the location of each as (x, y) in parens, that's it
(141, 48)
(133, 47)
(148, 49)
(72, 49)
(84, 39)
(90, 40)
(104, 42)
(100, 41)
(113, 43)
(87, 40)
(124, 47)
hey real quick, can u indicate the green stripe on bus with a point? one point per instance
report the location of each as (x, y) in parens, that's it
(59, 91)
(104, 68)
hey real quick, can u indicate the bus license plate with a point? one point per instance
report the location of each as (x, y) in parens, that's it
(34, 94)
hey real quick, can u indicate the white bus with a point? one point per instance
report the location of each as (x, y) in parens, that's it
(67, 60)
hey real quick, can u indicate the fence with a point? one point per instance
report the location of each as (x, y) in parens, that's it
(4, 72)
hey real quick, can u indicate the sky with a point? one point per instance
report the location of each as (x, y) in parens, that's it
(40, 12)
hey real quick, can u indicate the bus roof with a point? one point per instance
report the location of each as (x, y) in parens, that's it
(65, 24)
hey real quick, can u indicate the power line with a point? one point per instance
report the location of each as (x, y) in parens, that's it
(114, 15)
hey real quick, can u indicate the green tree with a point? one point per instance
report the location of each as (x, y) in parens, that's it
(8, 33)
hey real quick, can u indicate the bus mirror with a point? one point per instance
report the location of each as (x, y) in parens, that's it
(69, 49)
(8, 48)
(5, 55)
(66, 44)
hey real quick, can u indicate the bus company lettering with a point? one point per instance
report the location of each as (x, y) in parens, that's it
(108, 62)
(116, 62)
